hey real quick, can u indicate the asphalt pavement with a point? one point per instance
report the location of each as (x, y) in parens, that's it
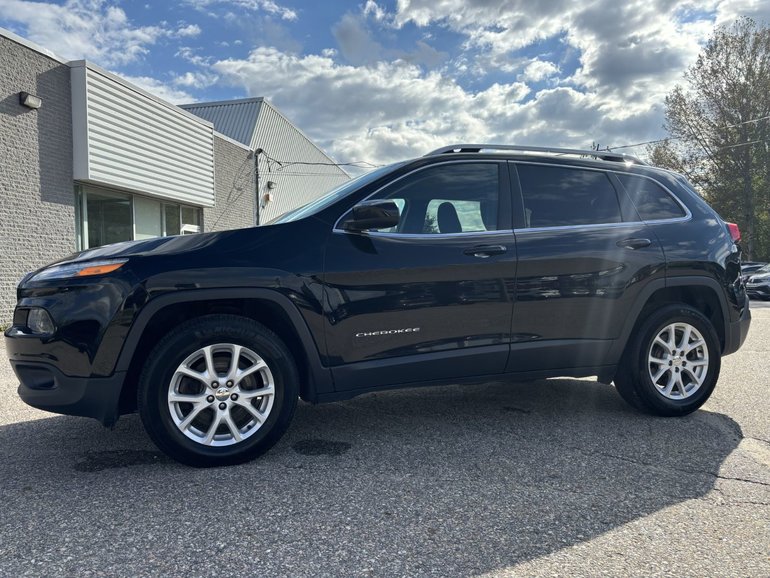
(547, 478)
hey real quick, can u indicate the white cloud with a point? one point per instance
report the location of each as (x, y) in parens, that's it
(91, 29)
(268, 6)
(188, 31)
(159, 89)
(538, 70)
(197, 79)
(371, 8)
(391, 110)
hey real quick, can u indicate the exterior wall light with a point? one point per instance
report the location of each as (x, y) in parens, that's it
(30, 100)
(271, 185)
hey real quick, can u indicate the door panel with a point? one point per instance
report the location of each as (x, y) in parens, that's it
(401, 306)
(576, 283)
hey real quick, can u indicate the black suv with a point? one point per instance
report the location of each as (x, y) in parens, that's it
(473, 263)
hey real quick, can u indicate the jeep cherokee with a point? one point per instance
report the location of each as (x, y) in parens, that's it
(472, 263)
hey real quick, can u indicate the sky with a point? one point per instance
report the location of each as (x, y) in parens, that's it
(384, 80)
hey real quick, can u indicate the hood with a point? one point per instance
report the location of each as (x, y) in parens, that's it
(156, 246)
(756, 278)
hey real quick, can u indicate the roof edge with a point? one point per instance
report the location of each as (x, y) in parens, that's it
(231, 140)
(31, 45)
(221, 102)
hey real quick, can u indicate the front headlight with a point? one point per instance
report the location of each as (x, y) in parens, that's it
(80, 269)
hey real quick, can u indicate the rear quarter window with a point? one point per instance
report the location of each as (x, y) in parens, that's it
(652, 201)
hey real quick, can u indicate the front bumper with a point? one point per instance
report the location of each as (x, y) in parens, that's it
(45, 387)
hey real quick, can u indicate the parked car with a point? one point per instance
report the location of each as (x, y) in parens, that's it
(758, 283)
(749, 267)
(473, 263)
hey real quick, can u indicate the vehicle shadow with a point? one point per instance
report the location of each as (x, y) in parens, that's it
(453, 481)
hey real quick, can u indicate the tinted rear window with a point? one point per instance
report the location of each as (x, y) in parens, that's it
(559, 196)
(651, 200)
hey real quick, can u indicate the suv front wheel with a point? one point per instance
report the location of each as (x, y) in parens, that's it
(218, 390)
(671, 364)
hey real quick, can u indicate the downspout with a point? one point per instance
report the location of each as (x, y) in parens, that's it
(257, 200)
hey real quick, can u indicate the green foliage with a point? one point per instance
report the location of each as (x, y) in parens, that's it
(719, 123)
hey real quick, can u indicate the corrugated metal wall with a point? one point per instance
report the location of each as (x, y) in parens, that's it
(295, 184)
(233, 118)
(127, 139)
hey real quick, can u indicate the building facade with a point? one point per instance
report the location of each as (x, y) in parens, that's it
(89, 159)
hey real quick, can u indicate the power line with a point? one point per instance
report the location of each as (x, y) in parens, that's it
(285, 164)
(656, 141)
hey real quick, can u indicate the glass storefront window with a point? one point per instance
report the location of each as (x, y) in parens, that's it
(147, 219)
(109, 218)
(173, 222)
(106, 217)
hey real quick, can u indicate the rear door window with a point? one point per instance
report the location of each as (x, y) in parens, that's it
(564, 196)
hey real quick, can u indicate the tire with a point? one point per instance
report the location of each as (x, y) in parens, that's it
(654, 376)
(230, 418)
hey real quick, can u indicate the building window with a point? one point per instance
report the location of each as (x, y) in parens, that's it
(106, 217)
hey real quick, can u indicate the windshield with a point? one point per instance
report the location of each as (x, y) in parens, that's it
(333, 196)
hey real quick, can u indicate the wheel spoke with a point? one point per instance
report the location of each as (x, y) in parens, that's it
(685, 337)
(232, 427)
(658, 361)
(215, 423)
(175, 397)
(659, 374)
(698, 379)
(184, 424)
(250, 394)
(671, 342)
(186, 371)
(241, 375)
(697, 362)
(211, 370)
(670, 384)
(236, 356)
(680, 385)
(663, 344)
(259, 416)
(694, 345)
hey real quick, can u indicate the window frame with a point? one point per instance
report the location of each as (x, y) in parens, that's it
(504, 212)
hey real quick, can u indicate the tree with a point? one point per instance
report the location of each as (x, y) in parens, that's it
(719, 124)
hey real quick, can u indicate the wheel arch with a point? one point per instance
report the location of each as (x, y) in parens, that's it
(265, 306)
(702, 293)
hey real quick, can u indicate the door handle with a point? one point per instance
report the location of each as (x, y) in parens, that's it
(634, 243)
(484, 251)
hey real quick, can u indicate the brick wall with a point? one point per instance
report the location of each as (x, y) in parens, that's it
(37, 215)
(234, 188)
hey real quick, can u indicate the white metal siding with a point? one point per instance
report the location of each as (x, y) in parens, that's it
(136, 142)
(297, 184)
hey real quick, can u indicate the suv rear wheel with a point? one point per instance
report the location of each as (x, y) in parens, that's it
(671, 365)
(218, 390)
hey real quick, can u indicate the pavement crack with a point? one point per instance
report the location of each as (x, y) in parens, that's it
(671, 467)
(745, 480)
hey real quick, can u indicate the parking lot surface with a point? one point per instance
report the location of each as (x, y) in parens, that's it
(555, 477)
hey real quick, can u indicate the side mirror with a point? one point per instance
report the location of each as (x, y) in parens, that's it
(379, 214)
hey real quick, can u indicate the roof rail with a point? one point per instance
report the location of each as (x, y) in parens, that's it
(474, 148)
